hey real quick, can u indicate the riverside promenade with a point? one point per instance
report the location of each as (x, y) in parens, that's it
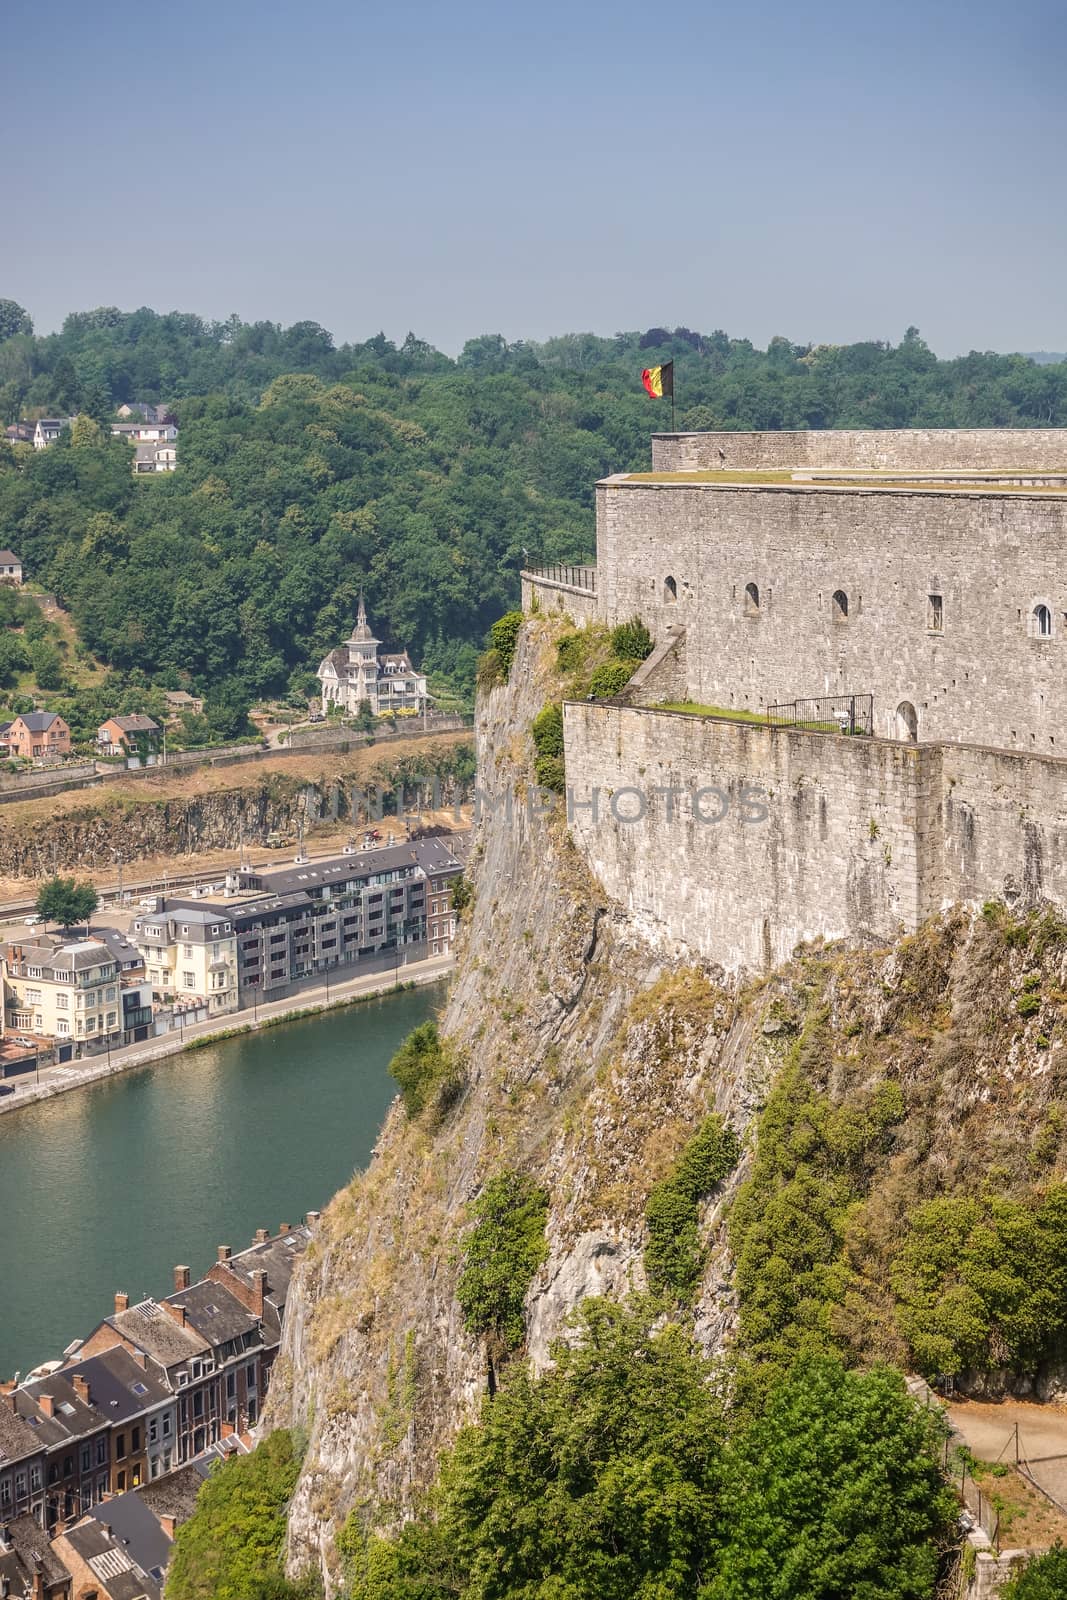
(55, 1080)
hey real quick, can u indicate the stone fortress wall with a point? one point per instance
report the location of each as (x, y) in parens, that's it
(863, 837)
(949, 606)
(892, 449)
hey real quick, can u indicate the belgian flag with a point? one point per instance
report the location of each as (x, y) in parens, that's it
(659, 381)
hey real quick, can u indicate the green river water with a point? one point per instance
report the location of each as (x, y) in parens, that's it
(110, 1186)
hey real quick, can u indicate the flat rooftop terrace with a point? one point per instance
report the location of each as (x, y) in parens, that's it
(1012, 481)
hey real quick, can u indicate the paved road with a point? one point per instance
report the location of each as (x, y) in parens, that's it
(75, 1074)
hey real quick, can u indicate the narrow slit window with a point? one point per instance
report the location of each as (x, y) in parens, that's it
(935, 613)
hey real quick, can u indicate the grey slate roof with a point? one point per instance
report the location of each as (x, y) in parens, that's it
(110, 1560)
(135, 723)
(153, 1330)
(175, 1495)
(137, 1525)
(115, 1378)
(214, 1312)
(31, 1544)
(72, 1418)
(38, 721)
(17, 1438)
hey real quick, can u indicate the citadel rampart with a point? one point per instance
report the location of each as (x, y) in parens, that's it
(899, 449)
(863, 838)
(944, 601)
(949, 606)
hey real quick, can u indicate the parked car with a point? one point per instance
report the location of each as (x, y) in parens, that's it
(317, 716)
(34, 921)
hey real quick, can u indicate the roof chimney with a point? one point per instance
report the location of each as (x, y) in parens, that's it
(122, 1302)
(167, 1524)
(177, 1312)
(224, 1252)
(259, 1289)
(81, 1388)
(46, 1404)
(181, 1279)
(283, 1227)
(262, 1235)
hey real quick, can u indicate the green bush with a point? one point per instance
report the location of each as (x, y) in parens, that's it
(547, 733)
(611, 678)
(503, 1251)
(426, 1072)
(982, 1282)
(631, 641)
(231, 1547)
(504, 636)
(674, 1258)
(1043, 1577)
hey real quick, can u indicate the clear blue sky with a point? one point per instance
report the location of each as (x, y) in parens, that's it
(827, 171)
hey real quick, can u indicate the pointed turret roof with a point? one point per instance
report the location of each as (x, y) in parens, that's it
(361, 633)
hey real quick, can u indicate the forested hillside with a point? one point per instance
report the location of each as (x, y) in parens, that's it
(307, 471)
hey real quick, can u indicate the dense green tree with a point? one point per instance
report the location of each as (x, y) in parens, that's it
(64, 901)
(597, 1481)
(13, 319)
(835, 1490)
(232, 1548)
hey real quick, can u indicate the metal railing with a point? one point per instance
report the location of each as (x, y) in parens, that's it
(835, 713)
(583, 578)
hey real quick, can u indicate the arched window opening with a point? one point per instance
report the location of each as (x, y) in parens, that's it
(1042, 622)
(839, 605)
(670, 592)
(751, 600)
(907, 722)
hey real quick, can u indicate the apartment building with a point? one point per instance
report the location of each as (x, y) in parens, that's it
(370, 908)
(190, 954)
(67, 990)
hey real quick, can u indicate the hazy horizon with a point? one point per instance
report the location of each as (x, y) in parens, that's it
(828, 174)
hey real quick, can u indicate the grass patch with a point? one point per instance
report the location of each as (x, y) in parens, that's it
(692, 708)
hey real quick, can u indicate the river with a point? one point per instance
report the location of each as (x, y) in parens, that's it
(110, 1186)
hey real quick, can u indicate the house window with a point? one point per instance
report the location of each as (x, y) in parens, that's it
(670, 592)
(935, 613)
(838, 605)
(62, 1002)
(101, 1452)
(188, 979)
(751, 600)
(87, 1459)
(1042, 622)
(120, 1446)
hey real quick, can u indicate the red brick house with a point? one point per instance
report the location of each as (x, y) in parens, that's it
(38, 735)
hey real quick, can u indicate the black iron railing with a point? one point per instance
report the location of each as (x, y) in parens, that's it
(573, 577)
(833, 713)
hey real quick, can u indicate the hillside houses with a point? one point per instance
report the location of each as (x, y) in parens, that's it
(151, 429)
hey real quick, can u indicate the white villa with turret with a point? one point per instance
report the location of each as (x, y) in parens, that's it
(356, 672)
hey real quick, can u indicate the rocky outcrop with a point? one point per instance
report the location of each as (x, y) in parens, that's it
(146, 822)
(588, 1061)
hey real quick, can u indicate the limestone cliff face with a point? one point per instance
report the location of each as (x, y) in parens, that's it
(589, 1058)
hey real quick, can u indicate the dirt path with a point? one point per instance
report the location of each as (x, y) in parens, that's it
(990, 1432)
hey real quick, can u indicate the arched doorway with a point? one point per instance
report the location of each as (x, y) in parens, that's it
(907, 722)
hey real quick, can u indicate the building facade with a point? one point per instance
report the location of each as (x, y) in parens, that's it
(10, 567)
(190, 954)
(358, 674)
(39, 736)
(67, 990)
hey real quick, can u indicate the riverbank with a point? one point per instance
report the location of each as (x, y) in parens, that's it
(73, 1075)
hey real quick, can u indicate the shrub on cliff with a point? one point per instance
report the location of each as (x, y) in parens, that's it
(503, 1251)
(426, 1072)
(674, 1256)
(504, 636)
(547, 733)
(631, 641)
(611, 678)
